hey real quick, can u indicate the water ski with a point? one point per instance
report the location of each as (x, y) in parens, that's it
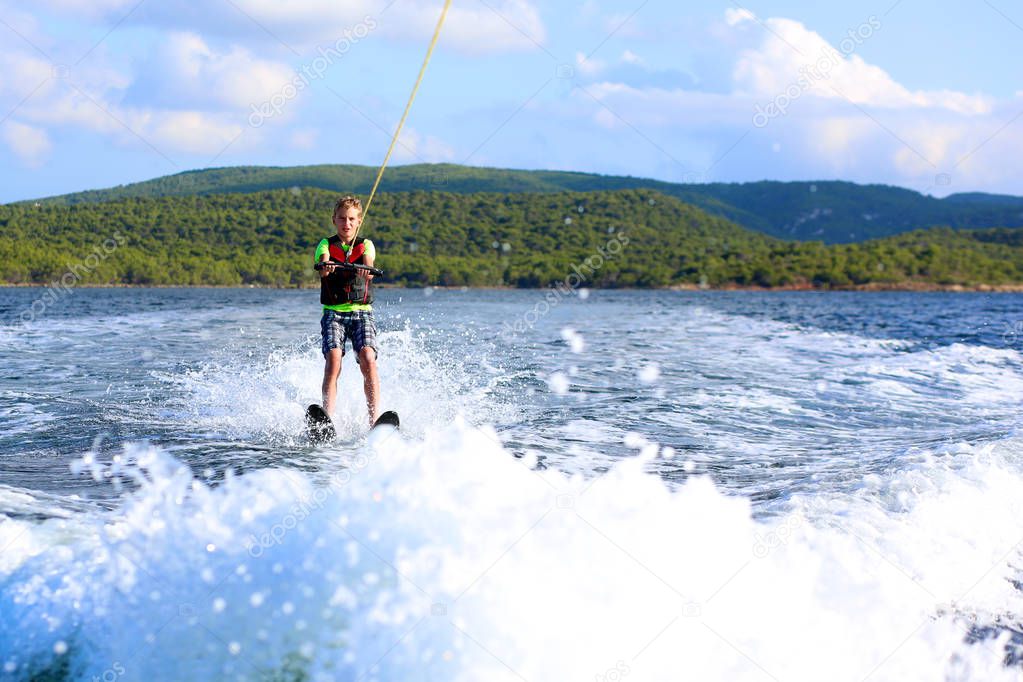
(318, 425)
(389, 418)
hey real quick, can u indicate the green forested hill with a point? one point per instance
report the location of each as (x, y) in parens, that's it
(447, 238)
(359, 179)
(832, 212)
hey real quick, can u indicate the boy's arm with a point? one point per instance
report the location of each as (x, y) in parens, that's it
(368, 257)
(322, 254)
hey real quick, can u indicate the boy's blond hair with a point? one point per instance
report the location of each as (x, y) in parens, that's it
(346, 202)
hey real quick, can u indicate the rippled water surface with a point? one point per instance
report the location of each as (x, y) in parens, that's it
(770, 393)
(853, 458)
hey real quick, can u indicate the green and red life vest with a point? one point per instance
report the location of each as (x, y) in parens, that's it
(345, 286)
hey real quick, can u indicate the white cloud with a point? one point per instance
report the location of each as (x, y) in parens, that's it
(184, 72)
(588, 67)
(211, 61)
(192, 132)
(23, 28)
(90, 9)
(189, 98)
(630, 69)
(734, 17)
(588, 9)
(854, 122)
(194, 90)
(32, 145)
(71, 107)
(989, 163)
(630, 57)
(792, 55)
(934, 140)
(838, 137)
(305, 138)
(629, 106)
(497, 26)
(413, 147)
(169, 132)
(23, 74)
(479, 29)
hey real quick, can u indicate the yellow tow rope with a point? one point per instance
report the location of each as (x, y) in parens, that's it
(408, 107)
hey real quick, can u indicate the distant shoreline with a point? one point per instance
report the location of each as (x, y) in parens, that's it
(601, 239)
(906, 287)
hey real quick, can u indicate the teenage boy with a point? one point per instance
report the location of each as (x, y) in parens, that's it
(347, 305)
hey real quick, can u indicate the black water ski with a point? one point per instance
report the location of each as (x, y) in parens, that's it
(389, 418)
(318, 425)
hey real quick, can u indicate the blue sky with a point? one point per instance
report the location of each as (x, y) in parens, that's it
(922, 95)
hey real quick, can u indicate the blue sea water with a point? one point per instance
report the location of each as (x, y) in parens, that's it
(618, 484)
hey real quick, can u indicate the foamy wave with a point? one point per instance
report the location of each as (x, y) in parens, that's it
(447, 558)
(264, 397)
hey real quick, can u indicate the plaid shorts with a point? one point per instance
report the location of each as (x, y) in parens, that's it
(356, 326)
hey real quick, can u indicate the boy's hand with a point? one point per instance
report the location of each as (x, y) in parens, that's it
(326, 270)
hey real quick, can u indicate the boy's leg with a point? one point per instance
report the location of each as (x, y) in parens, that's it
(370, 381)
(364, 342)
(331, 371)
(332, 335)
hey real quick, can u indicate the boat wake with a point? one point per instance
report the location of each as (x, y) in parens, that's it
(443, 557)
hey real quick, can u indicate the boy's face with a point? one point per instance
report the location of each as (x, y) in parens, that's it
(347, 222)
